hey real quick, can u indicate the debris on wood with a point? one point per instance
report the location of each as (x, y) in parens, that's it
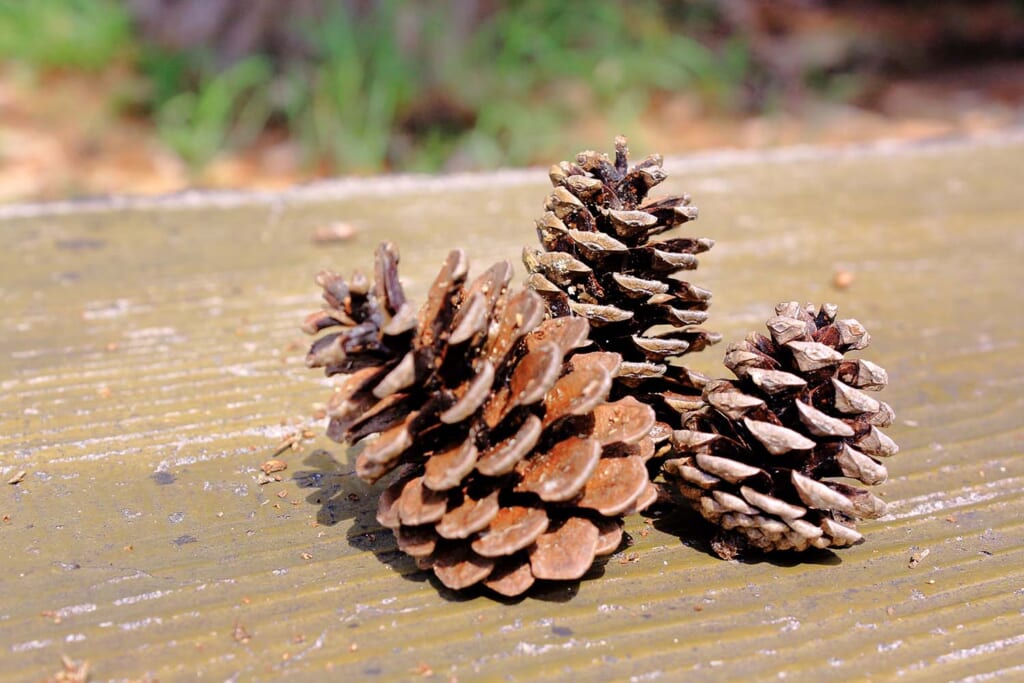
(71, 671)
(262, 479)
(273, 465)
(423, 669)
(240, 634)
(334, 232)
(917, 557)
(842, 279)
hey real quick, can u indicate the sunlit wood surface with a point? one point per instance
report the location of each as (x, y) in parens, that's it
(150, 361)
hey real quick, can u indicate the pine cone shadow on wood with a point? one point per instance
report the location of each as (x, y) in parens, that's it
(333, 486)
(511, 465)
(764, 459)
(344, 497)
(599, 261)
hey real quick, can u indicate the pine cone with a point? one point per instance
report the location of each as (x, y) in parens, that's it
(599, 262)
(514, 467)
(761, 459)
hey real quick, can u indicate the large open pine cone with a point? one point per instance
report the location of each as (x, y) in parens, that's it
(599, 262)
(762, 458)
(514, 466)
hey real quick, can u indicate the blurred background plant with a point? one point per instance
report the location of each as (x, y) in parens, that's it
(321, 87)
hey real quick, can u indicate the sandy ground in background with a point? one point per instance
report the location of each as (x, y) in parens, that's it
(60, 136)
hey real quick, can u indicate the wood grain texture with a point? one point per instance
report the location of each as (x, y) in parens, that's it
(150, 361)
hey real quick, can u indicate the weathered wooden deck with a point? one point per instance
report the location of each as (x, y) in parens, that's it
(150, 361)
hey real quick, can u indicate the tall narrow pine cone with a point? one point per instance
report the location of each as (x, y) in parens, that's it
(513, 465)
(763, 459)
(599, 262)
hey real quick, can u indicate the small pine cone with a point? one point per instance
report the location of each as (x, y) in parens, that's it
(599, 262)
(513, 465)
(761, 459)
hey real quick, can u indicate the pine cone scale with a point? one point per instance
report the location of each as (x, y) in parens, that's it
(615, 485)
(446, 470)
(418, 505)
(560, 473)
(512, 529)
(511, 578)
(566, 551)
(465, 518)
(502, 457)
(458, 567)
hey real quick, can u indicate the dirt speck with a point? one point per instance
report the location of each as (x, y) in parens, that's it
(422, 669)
(842, 278)
(163, 478)
(334, 232)
(239, 633)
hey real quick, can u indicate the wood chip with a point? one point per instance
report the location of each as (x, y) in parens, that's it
(273, 466)
(917, 557)
(334, 232)
(240, 634)
(71, 671)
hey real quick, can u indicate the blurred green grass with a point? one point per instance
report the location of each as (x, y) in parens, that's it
(78, 34)
(516, 85)
(363, 86)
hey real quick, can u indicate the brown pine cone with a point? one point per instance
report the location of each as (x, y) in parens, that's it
(514, 466)
(762, 459)
(599, 262)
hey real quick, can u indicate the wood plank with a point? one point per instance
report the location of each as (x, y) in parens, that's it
(150, 360)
